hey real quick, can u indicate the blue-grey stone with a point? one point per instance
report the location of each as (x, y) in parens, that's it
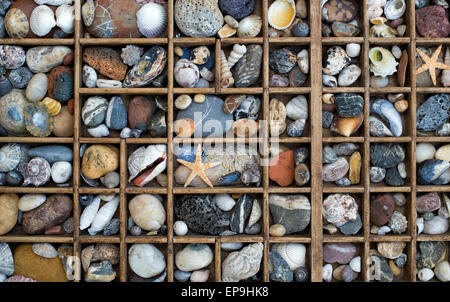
(112, 228)
(3, 131)
(343, 182)
(238, 9)
(2, 179)
(428, 216)
(327, 119)
(301, 29)
(430, 170)
(209, 118)
(186, 152)
(59, 34)
(241, 213)
(296, 128)
(86, 199)
(20, 217)
(293, 219)
(433, 113)
(386, 109)
(254, 229)
(20, 77)
(14, 178)
(329, 156)
(182, 276)
(279, 270)
(4, 5)
(230, 178)
(351, 227)
(393, 177)
(52, 153)
(301, 274)
(160, 81)
(301, 155)
(116, 114)
(202, 83)
(345, 149)
(400, 261)
(443, 130)
(420, 3)
(349, 104)
(187, 51)
(209, 64)
(2, 27)
(5, 86)
(386, 155)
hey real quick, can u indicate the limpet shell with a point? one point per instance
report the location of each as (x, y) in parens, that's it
(281, 14)
(152, 20)
(16, 23)
(38, 120)
(12, 106)
(250, 26)
(36, 172)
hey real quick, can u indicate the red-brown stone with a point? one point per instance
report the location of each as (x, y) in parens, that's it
(431, 22)
(282, 168)
(381, 209)
(140, 110)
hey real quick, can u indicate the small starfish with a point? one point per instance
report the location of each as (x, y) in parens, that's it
(431, 64)
(198, 167)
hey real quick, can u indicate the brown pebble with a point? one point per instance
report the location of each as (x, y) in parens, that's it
(70, 106)
(401, 72)
(401, 106)
(68, 59)
(56, 230)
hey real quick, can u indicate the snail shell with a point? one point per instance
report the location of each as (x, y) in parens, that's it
(152, 20)
(382, 62)
(394, 9)
(250, 26)
(36, 172)
(236, 54)
(42, 20)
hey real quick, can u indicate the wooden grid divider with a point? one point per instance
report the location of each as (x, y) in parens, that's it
(315, 140)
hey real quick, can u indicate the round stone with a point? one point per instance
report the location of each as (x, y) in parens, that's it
(147, 212)
(381, 209)
(238, 9)
(146, 260)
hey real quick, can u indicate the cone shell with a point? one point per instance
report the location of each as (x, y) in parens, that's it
(42, 20)
(16, 23)
(65, 18)
(6, 259)
(250, 26)
(281, 14)
(9, 157)
(382, 62)
(53, 105)
(152, 20)
(292, 253)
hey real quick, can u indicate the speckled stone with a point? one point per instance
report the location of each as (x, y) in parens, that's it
(431, 22)
(327, 119)
(198, 18)
(20, 77)
(106, 61)
(238, 9)
(393, 177)
(386, 155)
(349, 104)
(433, 113)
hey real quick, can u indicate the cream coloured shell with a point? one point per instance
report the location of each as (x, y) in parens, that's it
(104, 215)
(53, 2)
(144, 157)
(89, 213)
(394, 9)
(281, 14)
(292, 253)
(236, 54)
(42, 20)
(152, 20)
(88, 12)
(65, 18)
(250, 26)
(382, 62)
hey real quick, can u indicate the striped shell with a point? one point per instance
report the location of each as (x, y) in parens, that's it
(16, 23)
(89, 213)
(65, 18)
(152, 20)
(9, 157)
(104, 216)
(36, 172)
(53, 105)
(6, 259)
(88, 12)
(42, 20)
(38, 120)
(53, 2)
(292, 253)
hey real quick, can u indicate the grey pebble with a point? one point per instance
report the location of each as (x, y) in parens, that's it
(20, 77)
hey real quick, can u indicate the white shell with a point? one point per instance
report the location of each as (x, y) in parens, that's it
(102, 83)
(65, 18)
(384, 230)
(224, 201)
(29, 202)
(394, 9)
(99, 131)
(329, 81)
(250, 26)
(292, 253)
(89, 213)
(402, 170)
(61, 172)
(104, 215)
(37, 87)
(420, 225)
(180, 228)
(146, 260)
(143, 157)
(53, 2)
(349, 75)
(425, 274)
(42, 20)
(327, 272)
(6, 259)
(297, 108)
(152, 20)
(237, 53)
(355, 264)
(255, 214)
(442, 271)
(384, 66)
(200, 276)
(353, 50)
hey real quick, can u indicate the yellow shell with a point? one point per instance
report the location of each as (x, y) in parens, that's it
(53, 105)
(281, 14)
(16, 23)
(226, 31)
(378, 20)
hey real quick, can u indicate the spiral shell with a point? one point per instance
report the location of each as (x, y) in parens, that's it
(292, 253)
(9, 157)
(281, 14)
(38, 120)
(227, 78)
(382, 62)
(65, 18)
(104, 215)
(250, 26)
(152, 20)
(16, 23)
(88, 12)
(53, 106)
(394, 9)
(6, 259)
(36, 172)
(42, 20)
(237, 53)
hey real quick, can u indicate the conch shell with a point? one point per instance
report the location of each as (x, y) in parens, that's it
(227, 78)
(382, 62)
(146, 163)
(281, 14)
(42, 20)
(237, 53)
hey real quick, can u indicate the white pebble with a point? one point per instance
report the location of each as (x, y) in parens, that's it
(200, 276)
(224, 202)
(231, 246)
(384, 230)
(89, 76)
(355, 264)
(379, 82)
(397, 52)
(442, 271)
(99, 131)
(125, 133)
(61, 172)
(353, 50)
(425, 274)
(424, 151)
(327, 273)
(402, 170)
(180, 228)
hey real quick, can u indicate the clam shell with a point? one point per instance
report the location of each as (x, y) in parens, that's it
(152, 20)
(6, 259)
(16, 23)
(104, 216)
(249, 27)
(36, 172)
(394, 9)
(382, 62)
(146, 157)
(42, 20)
(53, 106)
(281, 14)
(65, 18)
(38, 120)
(292, 253)
(9, 157)
(89, 213)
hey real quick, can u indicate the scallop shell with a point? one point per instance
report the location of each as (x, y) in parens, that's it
(65, 18)
(36, 172)
(6, 259)
(382, 62)
(42, 20)
(9, 157)
(394, 9)
(89, 213)
(88, 12)
(38, 120)
(53, 2)
(250, 26)
(292, 253)
(281, 14)
(152, 20)
(104, 216)
(53, 106)
(147, 163)
(16, 23)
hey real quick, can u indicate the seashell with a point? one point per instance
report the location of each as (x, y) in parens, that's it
(29, 202)
(180, 228)
(394, 9)
(152, 20)
(53, 106)
(297, 108)
(250, 26)
(355, 264)
(45, 250)
(147, 163)
(6, 259)
(42, 20)
(65, 18)
(425, 274)
(327, 273)
(131, 54)
(186, 73)
(16, 23)
(89, 213)
(38, 120)
(9, 157)
(378, 128)
(378, 20)
(36, 172)
(329, 81)
(281, 14)
(382, 31)
(236, 54)
(104, 216)
(53, 2)
(349, 75)
(353, 50)
(226, 31)
(292, 253)
(88, 12)
(207, 75)
(226, 76)
(382, 62)
(419, 225)
(386, 110)
(445, 78)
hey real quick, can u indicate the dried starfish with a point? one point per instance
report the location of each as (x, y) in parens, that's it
(431, 64)
(198, 167)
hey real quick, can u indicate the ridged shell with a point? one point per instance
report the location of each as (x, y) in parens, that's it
(143, 158)
(292, 253)
(104, 215)
(382, 62)
(152, 20)
(281, 14)
(16, 23)
(394, 9)
(65, 18)
(42, 20)
(53, 2)
(249, 27)
(53, 105)
(89, 213)
(38, 120)
(6, 259)
(88, 12)
(9, 157)
(36, 172)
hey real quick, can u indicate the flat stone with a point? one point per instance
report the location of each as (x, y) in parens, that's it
(241, 213)
(386, 155)
(381, 209)
(433, 113)
(341, 253)
(351, 227)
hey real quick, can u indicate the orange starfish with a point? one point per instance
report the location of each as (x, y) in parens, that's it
(431, 64)
(198, 167)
